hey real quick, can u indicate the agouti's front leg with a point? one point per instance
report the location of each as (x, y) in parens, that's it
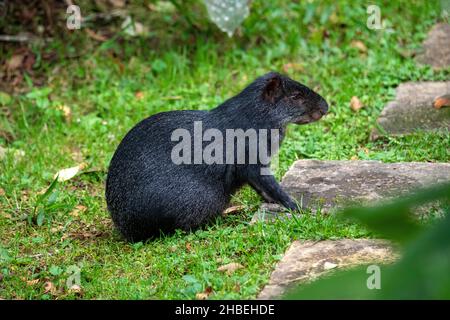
(269, 189)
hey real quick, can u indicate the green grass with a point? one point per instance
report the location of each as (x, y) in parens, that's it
(193, 70)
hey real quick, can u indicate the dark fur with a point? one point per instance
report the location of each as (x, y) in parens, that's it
(147, 193)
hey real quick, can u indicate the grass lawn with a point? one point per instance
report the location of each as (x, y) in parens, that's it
(109, 86)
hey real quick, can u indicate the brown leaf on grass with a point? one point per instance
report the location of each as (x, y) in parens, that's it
(139, 95)
(117, 3)
(2, 192)
(75, 289)
(29, 61)
(355, 104)
(188, 246)
(358, 44)
(230, 267)
(56, 229)
(442, 101)
(6, 135)
(96, 36)
(293, 66)
(76, 211)
(205, 294)
(233, 209)
(1, 277)
(66, 111)
(15, 62)
(32, 282)
(76, 154)
(18, 154)
(49, 287)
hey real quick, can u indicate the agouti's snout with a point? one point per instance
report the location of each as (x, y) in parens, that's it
(321, 111)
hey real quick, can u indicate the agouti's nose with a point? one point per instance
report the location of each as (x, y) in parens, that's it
(323, 107)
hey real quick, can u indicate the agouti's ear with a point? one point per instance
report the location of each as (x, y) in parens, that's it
(272, 88)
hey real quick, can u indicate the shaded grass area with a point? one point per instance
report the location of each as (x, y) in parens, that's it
(112, 86)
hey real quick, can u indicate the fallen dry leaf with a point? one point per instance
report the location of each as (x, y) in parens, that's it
(69, 173)
(29, 61)
(233, 209)
(17, 153)
(188, 246)
(133, 28)
(442, 101)
(95, 36)
(76, 211)
(1, 277)
(230, 267)
(67, 112)
(15, 62)
(75, 289)
(139, 95)
(32, 282)
(357, 44)
(49, 287)
(2, 192)
(205, 294)
(355, 104)
(293, 66)
(56, 229)
(117, 3)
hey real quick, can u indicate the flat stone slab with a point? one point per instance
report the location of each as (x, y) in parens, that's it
(413, 109)
(436, 47)
(329, 185)
(308, 260)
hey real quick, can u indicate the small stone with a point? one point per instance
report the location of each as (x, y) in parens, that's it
(303, 261)
(437, 47)
(413, 109)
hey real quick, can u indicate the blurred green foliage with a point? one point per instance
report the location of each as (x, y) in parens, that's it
(423, 271)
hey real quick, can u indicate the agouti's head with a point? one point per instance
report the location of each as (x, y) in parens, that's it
(290, 100)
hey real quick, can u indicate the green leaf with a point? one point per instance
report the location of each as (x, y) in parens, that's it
(52, 198)
(4, 256)
(4, 98)
(55, 270)
(190, 279)
(39, 93)
(42, 197)
(40, 218)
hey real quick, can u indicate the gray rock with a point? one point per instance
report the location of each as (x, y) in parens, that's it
(413, 109)
(305, 261)
(333, 184)
(437, 47)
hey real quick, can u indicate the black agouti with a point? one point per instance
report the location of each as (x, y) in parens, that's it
(149, 190)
